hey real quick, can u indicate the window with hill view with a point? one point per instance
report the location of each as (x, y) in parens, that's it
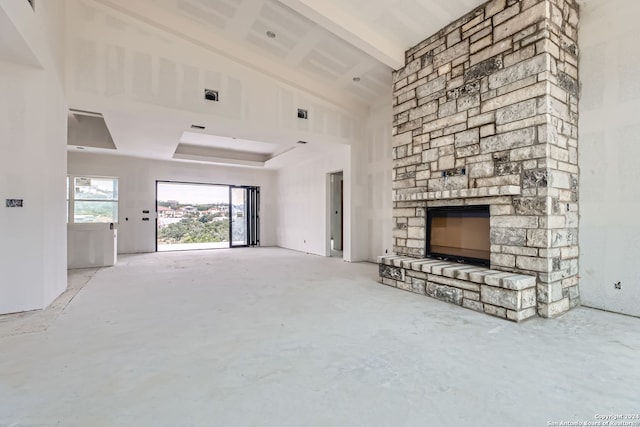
(92, 199)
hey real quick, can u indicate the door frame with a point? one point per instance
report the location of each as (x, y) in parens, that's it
(252, 216)
(329, 210)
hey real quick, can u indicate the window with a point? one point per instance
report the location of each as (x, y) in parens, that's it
(93, 199)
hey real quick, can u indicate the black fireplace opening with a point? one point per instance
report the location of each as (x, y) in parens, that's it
(460, 234)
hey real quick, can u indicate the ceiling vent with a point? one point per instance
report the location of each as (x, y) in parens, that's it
(303, 114)
(211, 95)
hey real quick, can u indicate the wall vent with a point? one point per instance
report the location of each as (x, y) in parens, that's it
(303, 114)
(211, 95)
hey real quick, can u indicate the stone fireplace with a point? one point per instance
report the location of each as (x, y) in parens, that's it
(485, 114)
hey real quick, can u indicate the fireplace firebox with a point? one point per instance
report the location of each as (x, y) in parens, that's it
(459, 233)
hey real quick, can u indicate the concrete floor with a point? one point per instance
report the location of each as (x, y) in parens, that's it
(270, 337)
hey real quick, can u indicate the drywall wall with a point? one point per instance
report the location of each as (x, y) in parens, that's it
(32, 160)
(91, 245)
(304, 205)
(609, 149)
(137, 191)
(304, 196)
(373, 168)
(118, 65)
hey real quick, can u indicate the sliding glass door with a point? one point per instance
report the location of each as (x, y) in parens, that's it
(191, 216)
(245, 216)
(206, 216)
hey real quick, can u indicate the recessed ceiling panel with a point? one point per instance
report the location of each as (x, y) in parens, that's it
(220, 7)
(267, 46)
(319, 68)
(285, 19)
(333, 47)
(88, 130)
(260, 29)
(361, 90)
(211, 13)
(212, 141)
(219, 155)
(326, 62)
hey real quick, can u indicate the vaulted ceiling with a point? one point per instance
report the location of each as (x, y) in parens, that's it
(338, 50)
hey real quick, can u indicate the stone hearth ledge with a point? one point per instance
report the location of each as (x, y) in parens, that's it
(507, 295)
(502, 190)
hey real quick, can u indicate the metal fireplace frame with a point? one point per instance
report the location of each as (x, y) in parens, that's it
(469, 210)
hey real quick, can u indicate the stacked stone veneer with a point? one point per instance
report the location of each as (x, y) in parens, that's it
(497, 293)
(486, 113)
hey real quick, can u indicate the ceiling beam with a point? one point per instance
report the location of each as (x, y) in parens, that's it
(344, 25)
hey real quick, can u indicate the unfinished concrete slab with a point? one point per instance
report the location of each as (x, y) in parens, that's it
(270, 337)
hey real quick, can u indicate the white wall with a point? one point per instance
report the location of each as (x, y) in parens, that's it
(374, 168)
(91, 245)
(32, 160)
(609, 149)
(304, 202)
(137, 191)
(303, 198)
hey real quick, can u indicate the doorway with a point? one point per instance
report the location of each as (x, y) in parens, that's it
(192, 216)
(336, 209)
